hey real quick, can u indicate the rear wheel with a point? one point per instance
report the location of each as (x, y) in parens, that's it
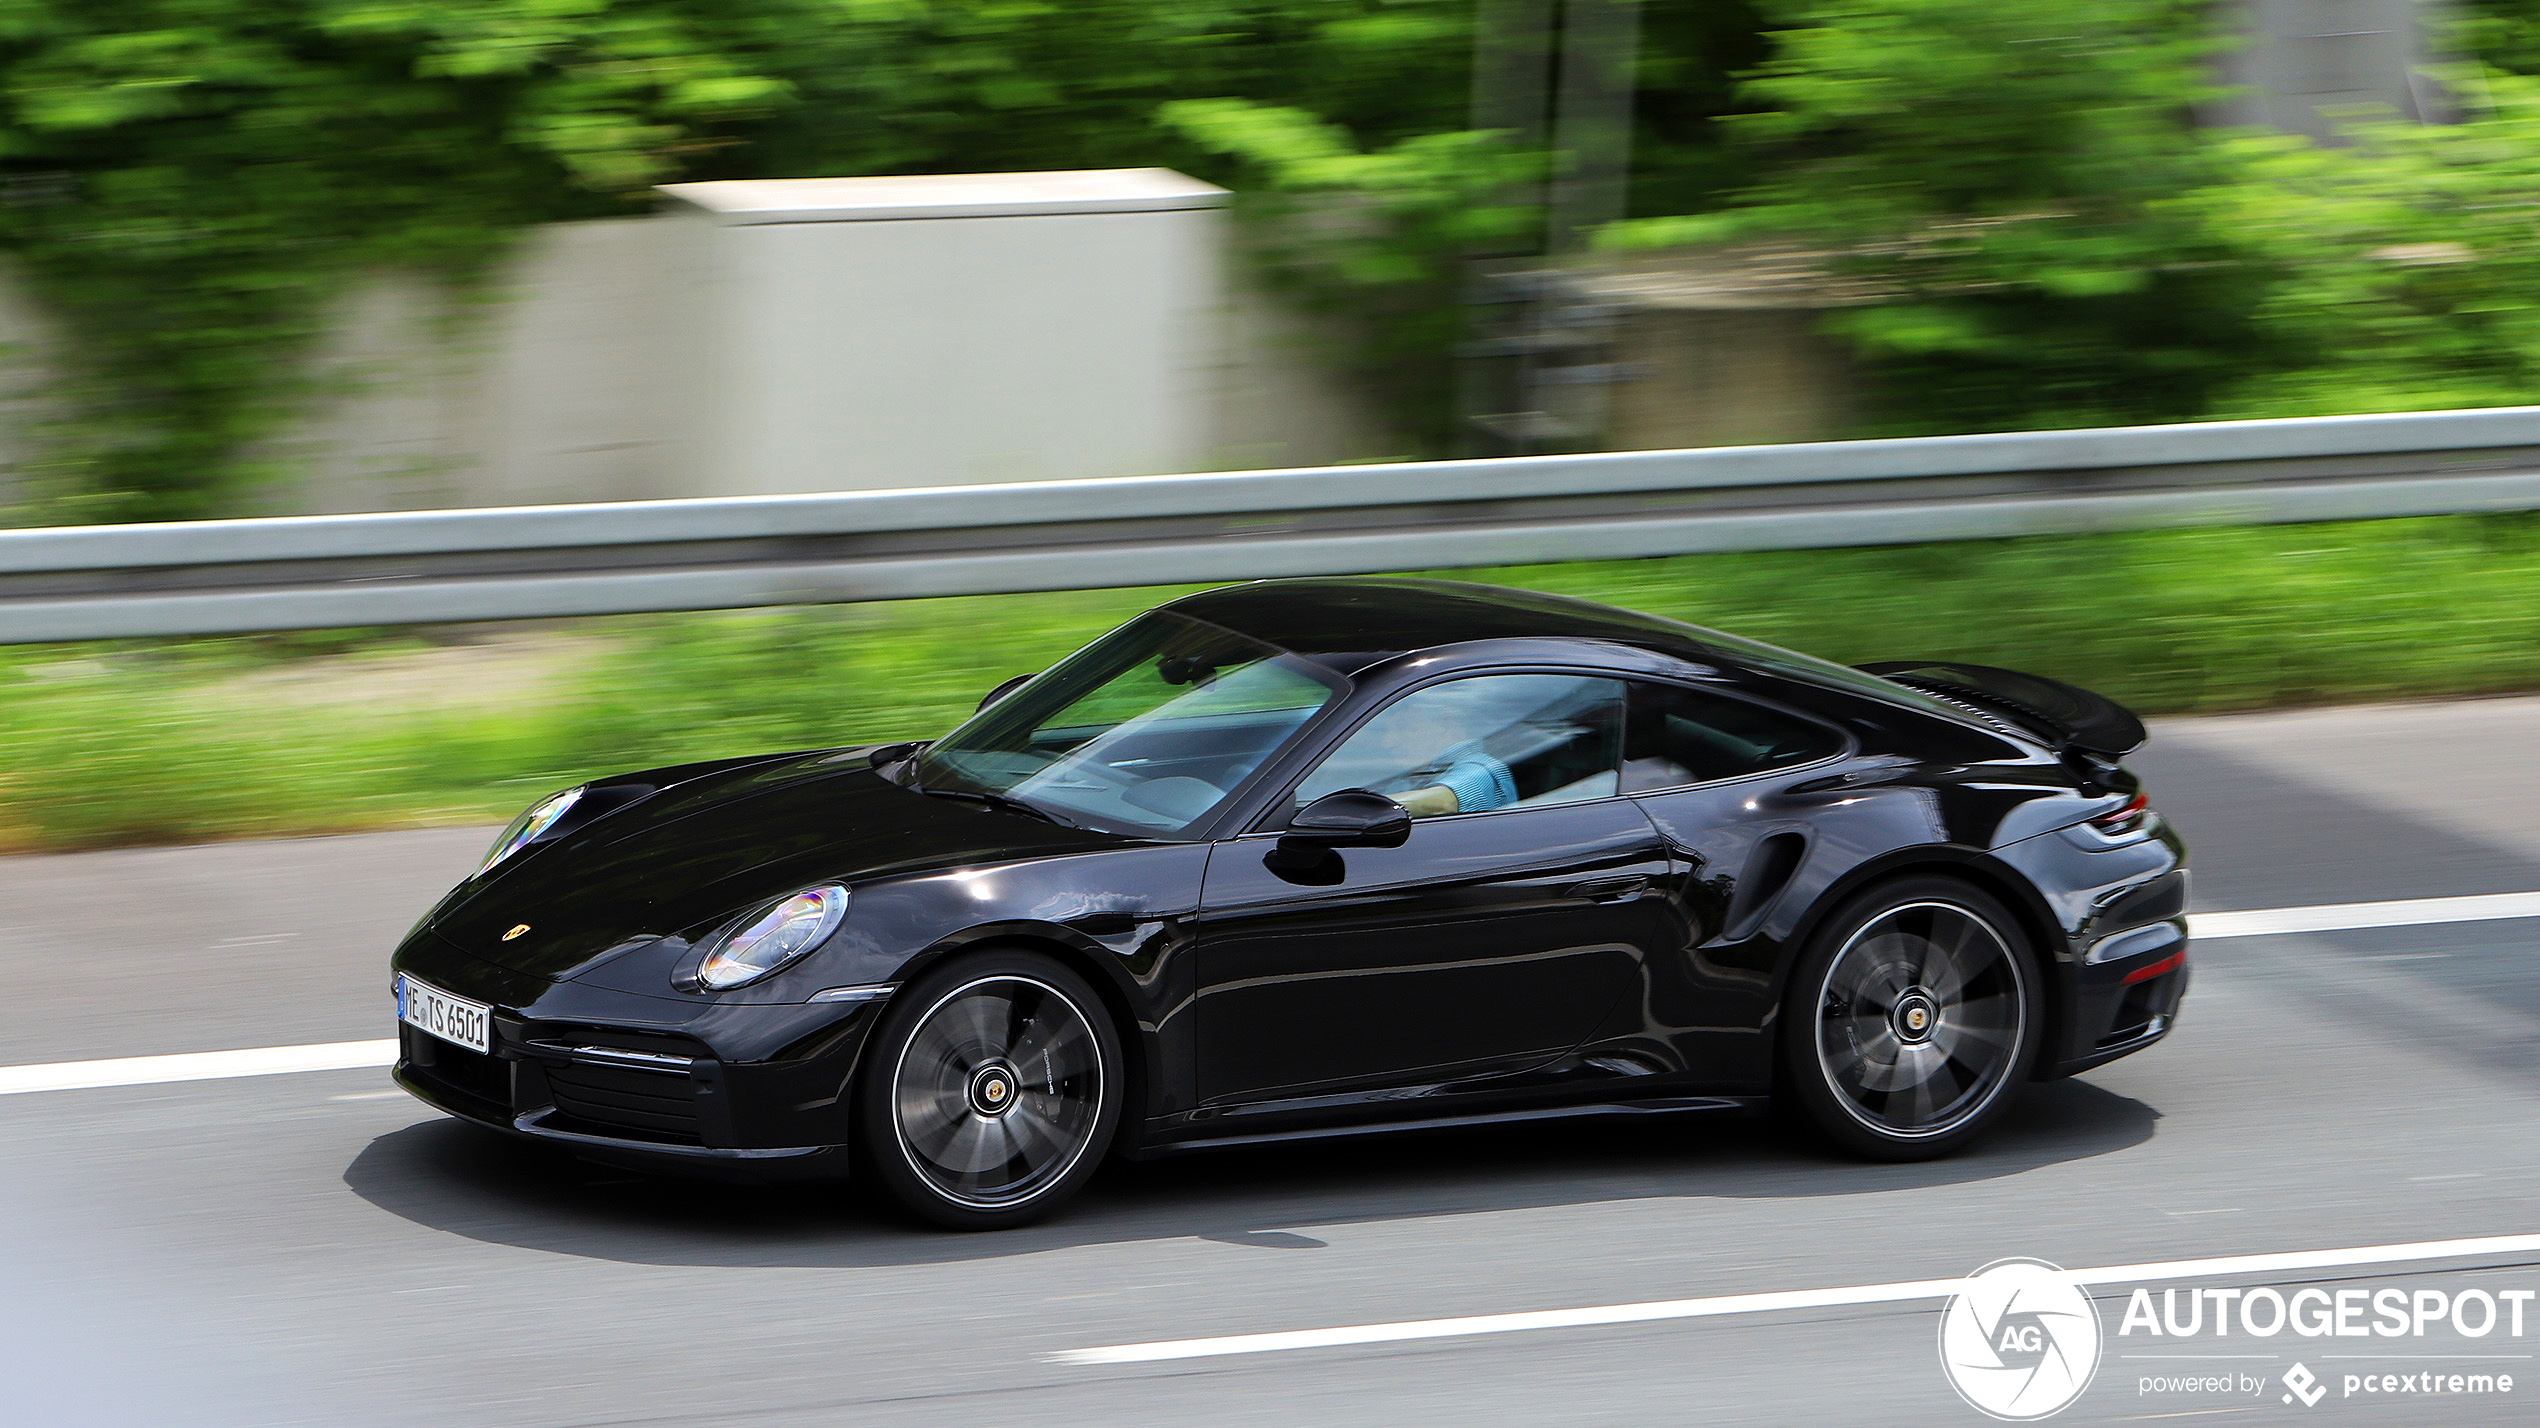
(1912, 1020)
(991, 1092)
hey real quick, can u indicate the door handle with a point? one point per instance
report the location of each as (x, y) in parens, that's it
(1609, 889)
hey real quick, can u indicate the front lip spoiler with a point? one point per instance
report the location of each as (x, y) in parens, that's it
(526, 1125)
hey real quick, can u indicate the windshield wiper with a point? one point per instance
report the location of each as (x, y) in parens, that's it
(999, 800)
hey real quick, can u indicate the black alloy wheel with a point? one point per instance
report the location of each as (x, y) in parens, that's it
(1913, 1019)
(991, 1091)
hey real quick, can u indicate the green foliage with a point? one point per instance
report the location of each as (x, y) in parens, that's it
(2503, 34)
(189, 182)
(1373, 223)
(1378, 238)
(2007, 174)
(2060, 243)
(147, 743)
(2401, 273)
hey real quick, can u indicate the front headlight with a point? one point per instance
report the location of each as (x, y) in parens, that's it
(775, 936)
(525, 829)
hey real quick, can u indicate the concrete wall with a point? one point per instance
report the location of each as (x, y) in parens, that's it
(1727, 377)
(28, 340)
(551, 384)
(2304, 66)
(941, 330)
(574, 376)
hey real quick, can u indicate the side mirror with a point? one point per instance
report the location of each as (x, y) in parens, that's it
(1003, 690)
(1351, 818)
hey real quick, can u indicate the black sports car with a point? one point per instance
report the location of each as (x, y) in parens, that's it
(1301, 857)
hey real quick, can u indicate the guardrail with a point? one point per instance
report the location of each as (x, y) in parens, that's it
(426, 567)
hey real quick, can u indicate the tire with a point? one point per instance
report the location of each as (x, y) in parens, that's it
(1912, 1020)
(991, 1091)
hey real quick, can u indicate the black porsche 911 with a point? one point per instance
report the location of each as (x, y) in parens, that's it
(1308, 857)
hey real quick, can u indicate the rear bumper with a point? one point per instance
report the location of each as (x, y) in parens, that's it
(2119, 956)
(2141, 1014)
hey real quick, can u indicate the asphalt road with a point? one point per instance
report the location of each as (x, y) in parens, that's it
(315, 1248)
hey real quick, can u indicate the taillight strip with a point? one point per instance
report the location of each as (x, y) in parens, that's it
(2166, 965)
(2125, 817)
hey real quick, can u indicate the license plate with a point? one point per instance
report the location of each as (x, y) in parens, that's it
(455, 1020)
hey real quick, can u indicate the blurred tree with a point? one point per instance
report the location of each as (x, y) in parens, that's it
(190, 182)
(2504, 34)
(2008, 171)
(2062, 244)
(1376, 239)
(2403, 270)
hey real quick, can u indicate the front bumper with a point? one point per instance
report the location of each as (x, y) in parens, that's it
(752, 1092)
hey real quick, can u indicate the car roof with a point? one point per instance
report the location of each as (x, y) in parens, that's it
(1349, 625)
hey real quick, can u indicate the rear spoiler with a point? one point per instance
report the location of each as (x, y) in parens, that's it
(2068, 717)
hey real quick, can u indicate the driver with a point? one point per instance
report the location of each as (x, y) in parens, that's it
(1464, 779)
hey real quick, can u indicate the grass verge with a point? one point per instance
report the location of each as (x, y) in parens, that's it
(164, 742)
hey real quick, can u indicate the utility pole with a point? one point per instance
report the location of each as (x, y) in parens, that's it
(1534, 372)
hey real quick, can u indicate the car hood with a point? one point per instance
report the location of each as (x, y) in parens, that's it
(716, 840)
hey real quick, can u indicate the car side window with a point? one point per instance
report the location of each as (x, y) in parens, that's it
(1675, 736)
(1484, 742)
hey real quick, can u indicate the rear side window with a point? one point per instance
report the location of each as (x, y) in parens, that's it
(1674, 736)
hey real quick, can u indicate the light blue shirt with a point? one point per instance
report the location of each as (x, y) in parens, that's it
(1478, 781)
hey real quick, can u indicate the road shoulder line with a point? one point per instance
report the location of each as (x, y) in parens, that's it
(1766, 1303)
(196, 1066)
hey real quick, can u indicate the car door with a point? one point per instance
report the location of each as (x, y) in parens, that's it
(1498, 936)
(1708, 768)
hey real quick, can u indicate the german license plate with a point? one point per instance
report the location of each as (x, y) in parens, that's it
(456, 1020)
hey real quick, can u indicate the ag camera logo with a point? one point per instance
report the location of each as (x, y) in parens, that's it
(2020, 1340)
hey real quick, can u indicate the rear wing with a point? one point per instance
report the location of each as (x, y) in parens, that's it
(2066, 716)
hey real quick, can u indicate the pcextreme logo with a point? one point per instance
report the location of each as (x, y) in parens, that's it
(2020, 1340)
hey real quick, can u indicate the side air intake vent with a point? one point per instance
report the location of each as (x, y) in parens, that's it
(1768, 870)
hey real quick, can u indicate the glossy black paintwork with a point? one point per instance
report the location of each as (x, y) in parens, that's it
(1630, 949)
(1487, 943)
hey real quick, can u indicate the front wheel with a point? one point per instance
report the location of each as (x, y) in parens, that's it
(1912, 1020)
(991, 1091)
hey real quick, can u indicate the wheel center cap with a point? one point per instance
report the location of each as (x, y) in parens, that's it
(1914, 1017)
(992, 1090)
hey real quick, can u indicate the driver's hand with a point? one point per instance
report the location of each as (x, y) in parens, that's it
(1435, 801)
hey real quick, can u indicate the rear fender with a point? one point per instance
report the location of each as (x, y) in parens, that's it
(2046, 933)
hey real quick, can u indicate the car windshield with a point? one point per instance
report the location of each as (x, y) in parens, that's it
(1148, 729)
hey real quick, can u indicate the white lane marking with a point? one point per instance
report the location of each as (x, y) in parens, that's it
(1766, 1303)
(2343, 916)
(346, 1055)
(196, 1066)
